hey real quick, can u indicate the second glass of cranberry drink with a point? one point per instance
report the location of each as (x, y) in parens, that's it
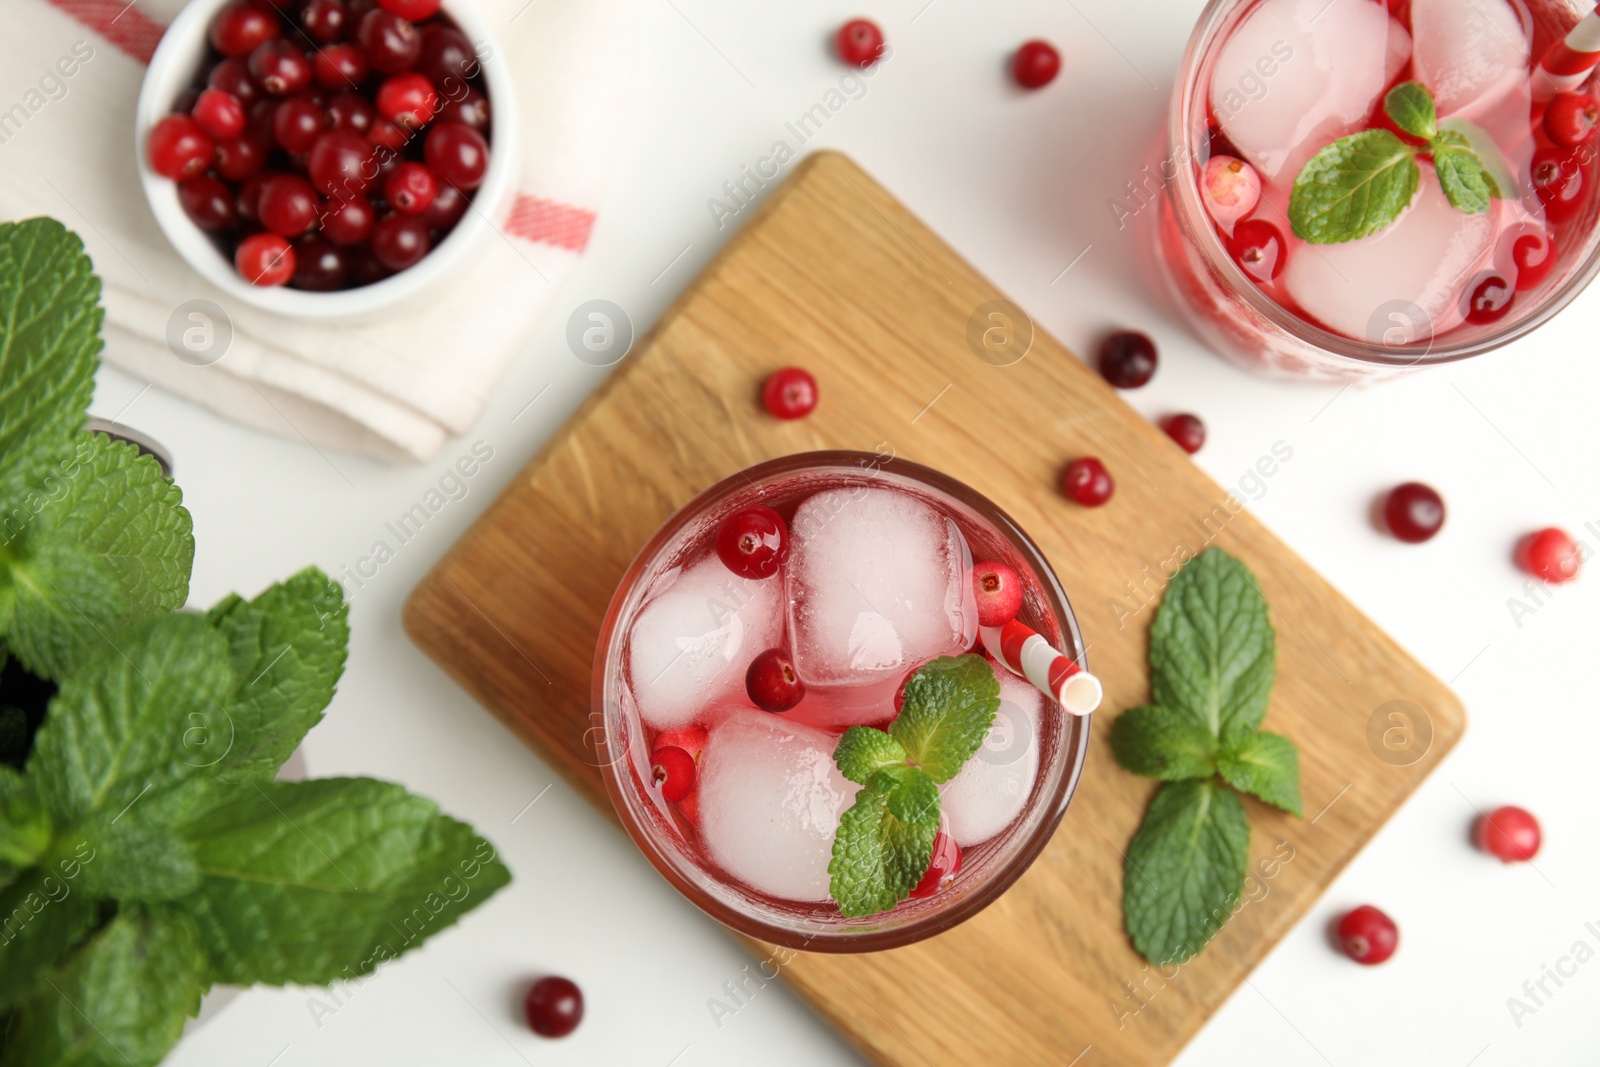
(774, 612)
(1363, 186)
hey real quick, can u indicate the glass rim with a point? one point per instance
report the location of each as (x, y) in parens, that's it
(1181, 145)
(1067, 766)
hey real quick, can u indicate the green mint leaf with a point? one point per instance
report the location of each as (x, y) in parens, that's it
(1184, 870)
(57, 605)
(862, 752)
(1266, 766)
(309, 882)
(948, 710)
(119, 1002)
(42, 917)
(913, 798)
(1499, 175)
(288, 649)
(50, 319)
(1163, 744)
(877, 858)
(134, 862)
(24, 826)
(1410, 105)
(1353, 187)
(1212, 652)
(119, 732)
(1466, 184)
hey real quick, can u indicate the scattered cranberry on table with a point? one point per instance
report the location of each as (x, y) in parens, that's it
(772, 682)
(1127, 359)
(790, 393)
(1550, 554)
(1367, 935)
(753, 542)
(1187, 430)
(1510, 833)
(942, 868)
(1570, 118)
(672, 771)
(859, 42)
(1035, 64)
(1086, 481)
(1413, 512)
(554, 1007)
(998, 590)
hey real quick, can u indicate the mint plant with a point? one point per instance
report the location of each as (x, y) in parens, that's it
(885, 839)
(1212, 665)
(1359, 184)
(147, 848)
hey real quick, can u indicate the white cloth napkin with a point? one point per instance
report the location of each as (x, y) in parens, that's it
(395, 387)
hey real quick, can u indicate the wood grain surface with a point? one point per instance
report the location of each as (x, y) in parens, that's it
(834, 274)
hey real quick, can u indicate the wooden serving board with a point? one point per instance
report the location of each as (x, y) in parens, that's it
(835, 275)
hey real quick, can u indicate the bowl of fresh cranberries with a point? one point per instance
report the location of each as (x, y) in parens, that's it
(326, 158)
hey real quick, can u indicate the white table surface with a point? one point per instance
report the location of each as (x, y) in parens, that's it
(1018, 184)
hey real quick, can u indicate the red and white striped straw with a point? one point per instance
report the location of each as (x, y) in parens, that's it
(1570, 60)
(1024, 652)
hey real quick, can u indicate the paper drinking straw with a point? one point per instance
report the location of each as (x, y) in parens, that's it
(1570, 60)
(1026, 653)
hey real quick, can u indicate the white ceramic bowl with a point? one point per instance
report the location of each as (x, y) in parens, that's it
(173, 69)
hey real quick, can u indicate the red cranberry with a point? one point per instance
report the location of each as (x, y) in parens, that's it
(1490, 300)
(772, 683)
(179, 148)
(351, 111)
(296, 123)
(1570, 118)
(1368, 935)
(1413, 512)
(240, 158)
(471, 108)
(264, 259)
(386, 135)
(365, 268)
(1087, 482)
(1036, 64)
(999, 593)
(219, 114)
(325, 20)
(692, 739)
(942, 867)
(349, 222)
(249, 200)
(340, 66)
(280, 68)
(753, 542)
(389, 43)
(410, 188)
(859, 43)
(1510, 833)
(240, 28)
(790, 393)
(1559, 180)
(1187, 430)
(1550, 554)
(447, 58)
(446, 209)
(258, 127)
(232, 76)
(1534, 254)
(320, 265)
(1258, 248)
(554, 1007)
(672, 772)
(415, 10)
(208, 203)
(407, 100)
(341, 163)
(399, 241)
(288, 205)
(1127, 359)
(458, 155)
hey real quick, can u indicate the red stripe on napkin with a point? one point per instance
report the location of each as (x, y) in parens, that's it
(119, 22)
(536, 219)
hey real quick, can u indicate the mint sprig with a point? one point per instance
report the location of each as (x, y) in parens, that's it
(1212, 665)
(1359, 184)
(885, 839)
